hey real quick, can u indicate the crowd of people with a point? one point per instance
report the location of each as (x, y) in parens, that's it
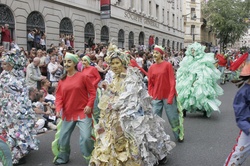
(115, 97)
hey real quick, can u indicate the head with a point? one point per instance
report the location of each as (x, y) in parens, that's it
(6, 26)
(70, 62)
(7, 66)
(52, 90)
(45, 83)
(36, 61)
(53, 59)
(32, 93)
(158, 53)
(39, 97)
(86, 61)
(116, 66)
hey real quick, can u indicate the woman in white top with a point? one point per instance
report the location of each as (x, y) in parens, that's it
(54, 68)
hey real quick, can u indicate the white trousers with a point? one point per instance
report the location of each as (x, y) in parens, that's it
(40, 124)
(240, 152)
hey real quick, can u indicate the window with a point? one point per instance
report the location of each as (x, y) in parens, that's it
(157, 12)
(168, 18)
(192, 29)
(142, 4)
(173, 21)
(163, 15)
(150, 7)
(192, 13)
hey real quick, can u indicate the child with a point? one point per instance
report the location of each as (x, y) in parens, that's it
(241, 106)
(42, 115)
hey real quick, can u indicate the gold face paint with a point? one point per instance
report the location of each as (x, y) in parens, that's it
(117, 66)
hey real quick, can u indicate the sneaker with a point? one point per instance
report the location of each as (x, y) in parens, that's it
(42, 130)
(51, 126)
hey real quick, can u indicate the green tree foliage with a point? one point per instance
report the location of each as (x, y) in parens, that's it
(227, 19)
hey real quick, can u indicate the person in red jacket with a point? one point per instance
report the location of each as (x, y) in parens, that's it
(161, 86)
(75, 97)
(6, 39)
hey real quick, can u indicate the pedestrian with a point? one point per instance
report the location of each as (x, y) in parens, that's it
(161, 86)
(241, 149)
(6, 37)
(75, 97)
(128, 133)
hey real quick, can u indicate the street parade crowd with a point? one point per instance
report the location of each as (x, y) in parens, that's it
(116, 98)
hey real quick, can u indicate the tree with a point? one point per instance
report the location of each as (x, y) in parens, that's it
(227, 19)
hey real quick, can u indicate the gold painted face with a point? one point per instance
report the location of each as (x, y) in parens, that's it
(117, 66)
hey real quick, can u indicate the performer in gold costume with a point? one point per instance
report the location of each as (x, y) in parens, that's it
(128, 133)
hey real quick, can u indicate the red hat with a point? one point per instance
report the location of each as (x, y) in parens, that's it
(245, 70)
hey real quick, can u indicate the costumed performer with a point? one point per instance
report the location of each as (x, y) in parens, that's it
(241, 149)
(75, 97)
(197, 77)
(161, 86)
(92, 73)
(17, 117)
(128, 133)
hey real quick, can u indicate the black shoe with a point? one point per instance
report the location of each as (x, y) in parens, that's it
(163, 161)
(180, 140)
(205, 113)
(184, 113)
(21, 161)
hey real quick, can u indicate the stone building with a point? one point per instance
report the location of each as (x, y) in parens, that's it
(131, 21)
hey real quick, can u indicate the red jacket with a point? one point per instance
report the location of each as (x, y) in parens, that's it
(73, 95)
(6, 35)
(161, 81)
(222, 61)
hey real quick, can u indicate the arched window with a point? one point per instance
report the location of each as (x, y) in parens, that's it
(6, 17)
(163, 43)
(168, 44)
(105, 34)
(35, 22)
(66, 27)
(156, 41)
(173, 46)
(141, 38)
(130, 40)
(89, 34)
(121, 38)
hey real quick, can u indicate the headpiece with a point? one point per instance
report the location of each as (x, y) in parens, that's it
(114, 52)
(15, 59)
(72, 57)
(87, 58)
(160, 49)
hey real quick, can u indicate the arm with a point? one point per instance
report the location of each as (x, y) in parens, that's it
(150, 82)
(97, 76)
(91, 91)
(133, 63)
(172, 83)
(50, 69)
(240, 108)
(59, 98)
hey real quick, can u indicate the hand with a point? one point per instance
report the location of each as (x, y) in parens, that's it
(87, 110)
(58, 114)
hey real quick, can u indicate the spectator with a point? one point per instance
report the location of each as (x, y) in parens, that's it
(42, 42)
(139, 59)
(30, 39)
(33, 74)
(6, 38)
(55, 70)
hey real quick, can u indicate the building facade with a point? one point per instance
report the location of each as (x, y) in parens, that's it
(195, 24)
(132, 22)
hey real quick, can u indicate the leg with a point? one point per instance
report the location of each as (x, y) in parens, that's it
(157, 107)
(173, 117)
(5, 154)
(86, 142)
(64, 142)
(240, 151)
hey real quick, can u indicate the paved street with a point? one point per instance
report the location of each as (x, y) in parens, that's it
(208, 141)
